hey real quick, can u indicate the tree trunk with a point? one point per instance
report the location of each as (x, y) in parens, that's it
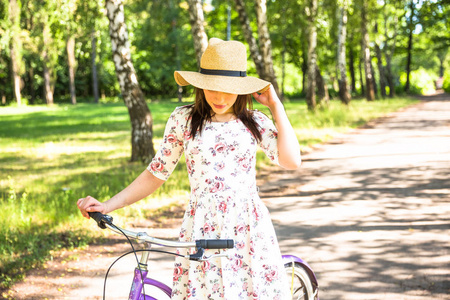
(361, 75)
(344, 95)
(304, 70)
(265, 43)
(140, 116)
(381, 71)
(370, 93)
(31, 85)
(389, 51)
(312, 55)
(94, 67)
(70, 46)
(410, 46)
(15, 49)
(351, 57)
(251, 41)
(198, 30)
(322, 89)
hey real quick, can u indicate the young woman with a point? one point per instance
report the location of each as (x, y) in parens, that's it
(219, 135)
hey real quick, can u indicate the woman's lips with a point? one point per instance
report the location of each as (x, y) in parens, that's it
(219, 106)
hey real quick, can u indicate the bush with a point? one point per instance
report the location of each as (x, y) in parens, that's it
(422, 82)
(446, 84)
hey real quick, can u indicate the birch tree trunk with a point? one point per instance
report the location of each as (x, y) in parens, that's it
(311, 12)
(251, 41)
(197, 27)
(322, 89)
(381, 71)
(265, 43)
(389, 50)
(70, 46)
(344, 94)
(94, 67)
(15, 49)
(370, 93)
(49, 81)
(140, 116)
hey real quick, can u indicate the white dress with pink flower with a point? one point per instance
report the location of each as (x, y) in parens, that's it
(224, 204)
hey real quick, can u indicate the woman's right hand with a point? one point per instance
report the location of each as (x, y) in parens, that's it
(90, 204)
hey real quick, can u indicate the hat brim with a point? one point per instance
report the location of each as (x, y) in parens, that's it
(227, 84)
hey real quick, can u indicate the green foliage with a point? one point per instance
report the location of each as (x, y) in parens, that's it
(422, 82)
(446, 83)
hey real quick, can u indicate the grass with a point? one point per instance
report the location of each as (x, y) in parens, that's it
(51, 156)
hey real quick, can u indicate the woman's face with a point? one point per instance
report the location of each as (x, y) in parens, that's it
(220, 102)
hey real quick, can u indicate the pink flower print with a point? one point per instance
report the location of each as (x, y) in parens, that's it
(256, 213)
(187, 135)
(238, 263)
(190, 166)
(240, 228)
(171, 138)
(195, 151)
(223, 207)
(262, 131)
(207, 228)
(156, 166)
(192, 212)
(219, 166)
(177, 273)
(271, 275)
(220, 147)
(252, 248)
(166, 152)
(206, 266)
(208, 181)
(218, 186)
(245, 286)
(231, 148)
(240, 245)
(255, 296)
(215, 288)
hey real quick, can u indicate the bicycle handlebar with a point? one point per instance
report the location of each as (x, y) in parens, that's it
(105, 221)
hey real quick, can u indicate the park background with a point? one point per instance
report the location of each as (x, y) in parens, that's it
(65, 117)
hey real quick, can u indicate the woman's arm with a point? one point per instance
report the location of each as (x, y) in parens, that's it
(144, 185)
(287, 143)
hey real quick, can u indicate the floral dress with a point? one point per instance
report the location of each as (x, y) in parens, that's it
(224, 204)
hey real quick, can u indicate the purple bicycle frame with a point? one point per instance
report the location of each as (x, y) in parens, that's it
(136, 288)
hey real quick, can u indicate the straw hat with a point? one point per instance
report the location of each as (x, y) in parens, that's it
(223, 68)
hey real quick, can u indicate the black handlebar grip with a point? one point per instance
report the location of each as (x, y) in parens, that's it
(96, 216)
(215, 244)
(101, 219)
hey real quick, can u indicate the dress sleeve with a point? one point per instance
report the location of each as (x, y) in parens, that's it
(172, 146)
(269, 134)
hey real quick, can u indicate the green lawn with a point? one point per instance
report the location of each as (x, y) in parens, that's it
(51, 156)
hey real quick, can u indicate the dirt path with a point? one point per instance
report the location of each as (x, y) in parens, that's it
(369, 211)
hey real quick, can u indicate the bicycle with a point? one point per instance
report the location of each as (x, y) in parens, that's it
(302, 280)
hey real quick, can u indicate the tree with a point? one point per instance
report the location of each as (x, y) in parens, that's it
(198, 30)
(344, 95)
(262, 54)
(141, 119)
(265, 43)
(411, 27)
(370, 91)
(311, 12)
(16, 48)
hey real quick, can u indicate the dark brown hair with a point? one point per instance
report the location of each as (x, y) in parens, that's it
(201, 112)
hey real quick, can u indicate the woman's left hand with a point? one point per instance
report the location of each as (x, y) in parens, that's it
(269, 98)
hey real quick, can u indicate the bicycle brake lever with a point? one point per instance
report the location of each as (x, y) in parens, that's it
(215, 256)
